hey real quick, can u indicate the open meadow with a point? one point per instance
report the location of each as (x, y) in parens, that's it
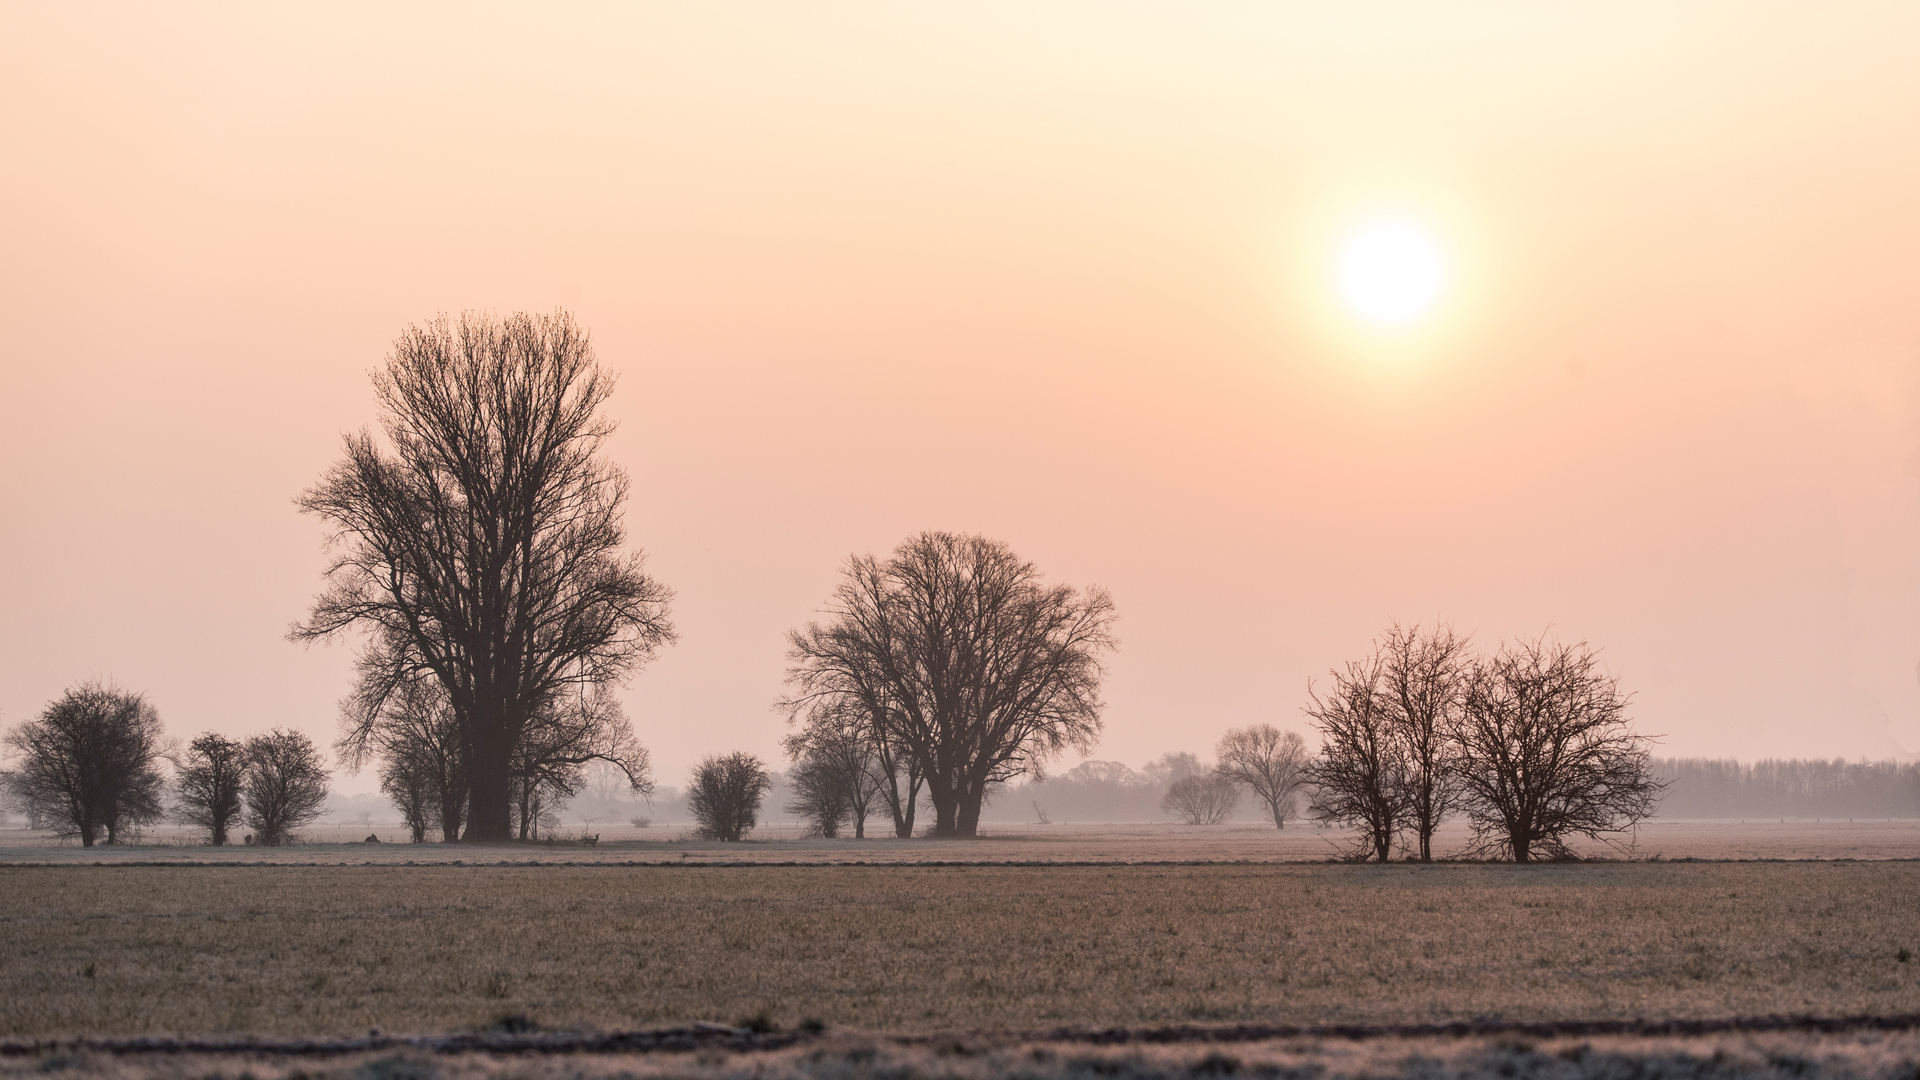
(329, 950)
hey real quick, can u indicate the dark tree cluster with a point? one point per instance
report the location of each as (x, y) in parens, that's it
(274, 783)
(478, 547)
(1532, 743)
(90, 764)
(949, 666)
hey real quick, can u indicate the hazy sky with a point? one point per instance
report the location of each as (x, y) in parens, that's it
(1060, 274)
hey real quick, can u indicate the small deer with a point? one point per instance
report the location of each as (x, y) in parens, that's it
(594, 839)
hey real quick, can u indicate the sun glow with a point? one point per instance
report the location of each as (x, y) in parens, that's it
(1391, 272)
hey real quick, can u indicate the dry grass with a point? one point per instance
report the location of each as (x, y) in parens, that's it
(124, 950)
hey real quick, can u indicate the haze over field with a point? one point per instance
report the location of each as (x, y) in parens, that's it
(1067, 278)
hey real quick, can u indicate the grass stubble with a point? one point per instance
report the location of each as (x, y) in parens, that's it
(97, 951)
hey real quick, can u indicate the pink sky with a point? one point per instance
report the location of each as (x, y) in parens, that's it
(1058, 275)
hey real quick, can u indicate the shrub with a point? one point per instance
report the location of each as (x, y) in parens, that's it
(1203, 799)
(725, 795)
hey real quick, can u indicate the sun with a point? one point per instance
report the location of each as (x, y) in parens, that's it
(1391, 272)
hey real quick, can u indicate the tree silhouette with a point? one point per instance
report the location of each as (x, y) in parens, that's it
(480, 544)
(1548, 752)
(210, 773)
(90, 762)
(969, 664)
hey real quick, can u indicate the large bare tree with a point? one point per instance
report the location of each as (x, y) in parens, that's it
(975, 669)
(1423, 680)
(1359, 779)
(90, 762)
(480, 544)
(1271, 762)
(1548, 753)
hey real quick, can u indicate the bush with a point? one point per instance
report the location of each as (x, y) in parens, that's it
(1204, 799)
(725, 795)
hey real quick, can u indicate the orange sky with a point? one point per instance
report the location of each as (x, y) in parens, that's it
(1061, 276)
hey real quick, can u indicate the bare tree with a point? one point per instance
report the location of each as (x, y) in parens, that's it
(822, 795)
(1422, 678)
(1171, 766)
(1360, 777)
(417, 739)
(846, 753)
(90, 762)
(539, 796)
(285, 787)
(724, 795)
(407, 780)
(844, 702)
(565, 736)
(1270, 762)
(1202, 798)
(1548, 753)
(480, 545)
(209, 774)
(969, 665)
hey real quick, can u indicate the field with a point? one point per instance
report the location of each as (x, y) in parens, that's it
(342, 949)
(998, 843)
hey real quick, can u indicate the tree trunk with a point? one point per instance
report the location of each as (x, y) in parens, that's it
(903, 820)
(968, 823)
(449, 821)
(490, 811)
(946, 807)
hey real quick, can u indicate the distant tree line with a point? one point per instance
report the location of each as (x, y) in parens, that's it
(1792, 788)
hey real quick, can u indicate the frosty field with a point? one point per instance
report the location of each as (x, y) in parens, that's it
(103, 950)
